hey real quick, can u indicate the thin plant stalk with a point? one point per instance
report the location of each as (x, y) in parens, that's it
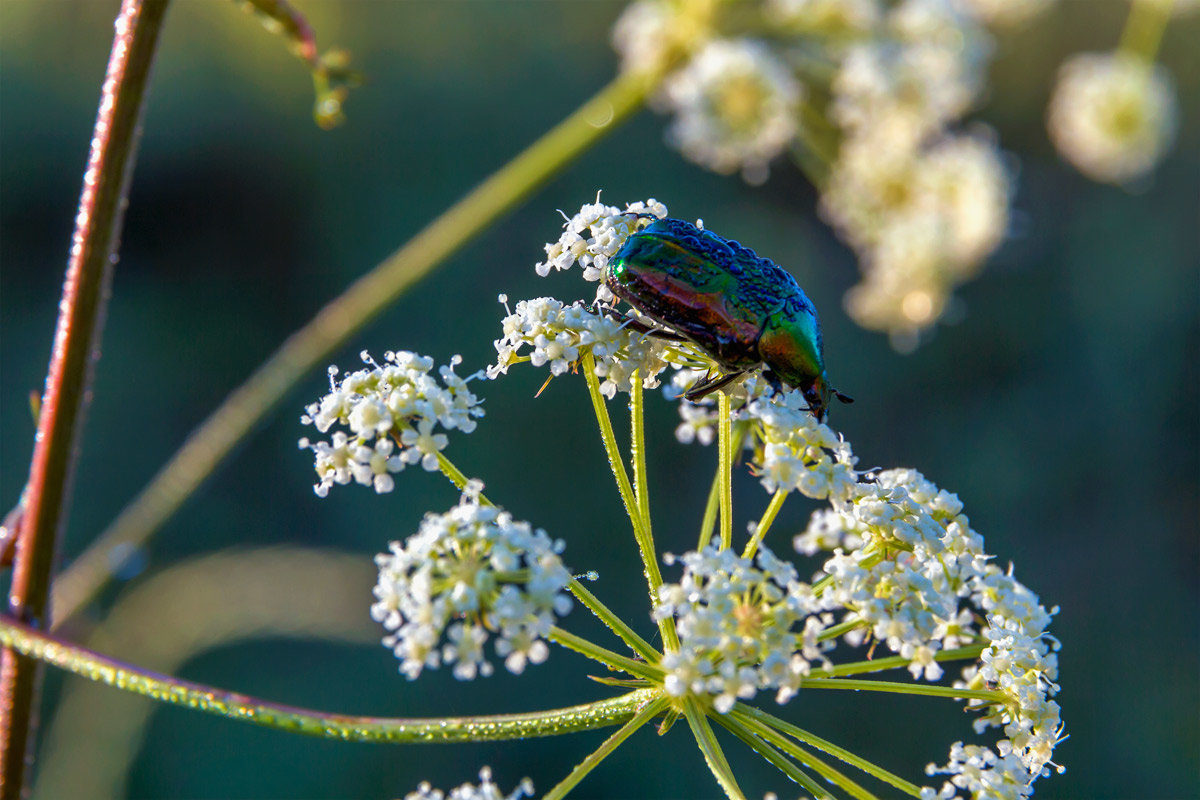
(755, 717)
(713, 755)
(725, 468)
(94, 244)
(764, 524)
(209, 444)
(234, 705)
(644, 715)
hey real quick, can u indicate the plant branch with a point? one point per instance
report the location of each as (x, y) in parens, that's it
(209, 444)
(232, 705)
(85, 292)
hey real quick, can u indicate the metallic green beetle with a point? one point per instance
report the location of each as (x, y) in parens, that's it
(741, 309)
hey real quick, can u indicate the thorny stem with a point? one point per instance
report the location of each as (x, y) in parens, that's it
(232, 705)
(208, 445)
(94, 244)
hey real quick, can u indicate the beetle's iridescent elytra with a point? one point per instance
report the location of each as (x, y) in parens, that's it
(741, 309)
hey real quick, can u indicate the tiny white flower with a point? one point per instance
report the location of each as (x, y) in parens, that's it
(1112, 116)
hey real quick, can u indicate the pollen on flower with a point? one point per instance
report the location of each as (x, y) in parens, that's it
(389, 413)
(466, 577)
(1112, 116)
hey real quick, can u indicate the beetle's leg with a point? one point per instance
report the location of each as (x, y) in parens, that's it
(710, 385)
(641, 327)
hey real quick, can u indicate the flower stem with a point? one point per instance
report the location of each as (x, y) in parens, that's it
(895, 662)
(637, 448)
(457, 477)
(725, 468)
(755, 717)
(774, 756)
(1144, 28)
(764, 524)
(648, 712)
(76, 342)
(614, 623)
(802, 755)
(614, 661)
(711, 749)
(645, 544)
(714, 495)
(905, 688)
(233, 705)
(209, 444)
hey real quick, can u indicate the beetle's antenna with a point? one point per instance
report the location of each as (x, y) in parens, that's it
(845, 398)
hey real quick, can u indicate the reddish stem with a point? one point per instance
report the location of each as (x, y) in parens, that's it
(76, 344)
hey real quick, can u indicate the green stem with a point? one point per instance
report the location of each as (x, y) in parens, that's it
(725, 468)
(614, 661)
(709, 520)
(637, 451)
(209, 444)
(648, 712)
(895, 662)
(233, 705)
(614, 623)
(905, 688)
(85, 295)
(645, 544)
(773, 755)
(770, 727)
(713, 756)
(764, 524)
(457, 477)
(1144, 28)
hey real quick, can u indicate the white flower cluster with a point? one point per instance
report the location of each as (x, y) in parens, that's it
(467, 575)
(1112, 116)
(742, 627)
(906, 571)
(391, 412)
(547, 331)
(921, 205)
(486, 790)
(593, 236)
(558, 335)
(735, 106)
(908, 566)
(797, 452)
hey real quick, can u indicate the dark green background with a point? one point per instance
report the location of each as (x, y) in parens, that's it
(1063, 407)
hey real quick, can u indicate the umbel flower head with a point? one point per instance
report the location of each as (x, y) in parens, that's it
(1112, 116)
(896, 577)
(467, 576)
(390, 412)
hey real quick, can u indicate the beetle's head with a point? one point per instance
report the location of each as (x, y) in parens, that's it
(818, 395)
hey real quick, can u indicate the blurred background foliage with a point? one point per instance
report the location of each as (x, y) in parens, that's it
(1062, 406)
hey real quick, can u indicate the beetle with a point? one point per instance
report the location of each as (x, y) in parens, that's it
(739, 308)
